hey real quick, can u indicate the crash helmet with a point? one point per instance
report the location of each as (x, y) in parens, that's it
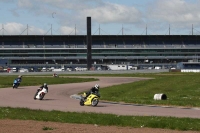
(97, 86)
(45, 84)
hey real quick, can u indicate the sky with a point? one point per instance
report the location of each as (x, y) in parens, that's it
(109, 17)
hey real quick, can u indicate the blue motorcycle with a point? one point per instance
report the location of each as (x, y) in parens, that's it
(15, 84)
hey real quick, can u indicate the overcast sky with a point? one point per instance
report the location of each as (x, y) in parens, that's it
(109, 17)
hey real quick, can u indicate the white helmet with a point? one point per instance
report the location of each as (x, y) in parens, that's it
(45, 84)
(97, 86)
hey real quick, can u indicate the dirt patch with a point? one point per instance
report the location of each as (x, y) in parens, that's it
(28, 126)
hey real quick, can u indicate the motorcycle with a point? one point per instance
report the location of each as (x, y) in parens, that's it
(92, 99)
(16, 84)
(40, 93)
(55, 75)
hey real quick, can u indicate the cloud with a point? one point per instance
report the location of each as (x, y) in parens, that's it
(157, 15)
(25, 3)
(177, 12)
(6, 1)
(64, 30)
(101, 12)
(14, 28)
(179, 15)
(112, 13)
(72, 4)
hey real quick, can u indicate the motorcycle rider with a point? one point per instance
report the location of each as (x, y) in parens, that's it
(17, 81)
(43, 86)
(94, 89)
(55, 75)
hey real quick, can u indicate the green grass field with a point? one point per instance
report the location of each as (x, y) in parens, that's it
(7, 81)
(182, 89)
(183, 124)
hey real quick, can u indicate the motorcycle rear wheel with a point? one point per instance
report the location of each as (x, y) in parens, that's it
(41, 97)
(82, 102)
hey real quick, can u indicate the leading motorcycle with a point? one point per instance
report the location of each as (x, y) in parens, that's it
(40, 93)
(92, 99)
(16, 84)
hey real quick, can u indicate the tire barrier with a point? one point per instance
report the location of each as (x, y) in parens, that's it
(160, 97)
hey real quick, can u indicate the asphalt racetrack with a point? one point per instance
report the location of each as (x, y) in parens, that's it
(60, 98)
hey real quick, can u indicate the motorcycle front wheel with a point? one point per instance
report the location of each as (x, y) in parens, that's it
(15, 86)
(35, 96)
(95, 101)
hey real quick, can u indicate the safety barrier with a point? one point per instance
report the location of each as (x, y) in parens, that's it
(160, 96)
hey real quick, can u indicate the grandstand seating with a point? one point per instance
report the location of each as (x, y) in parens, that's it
(97, 46)
(108, 48)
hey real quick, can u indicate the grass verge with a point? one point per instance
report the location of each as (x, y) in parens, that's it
(183, 124)
(181, 90)
(7, 81)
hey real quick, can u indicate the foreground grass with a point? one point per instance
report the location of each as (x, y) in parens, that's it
(183, 124)
(7, 81)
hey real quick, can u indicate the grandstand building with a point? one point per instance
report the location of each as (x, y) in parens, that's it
(71, 50)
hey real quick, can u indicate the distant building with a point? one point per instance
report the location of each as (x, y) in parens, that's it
(188, 65)
(71, 50)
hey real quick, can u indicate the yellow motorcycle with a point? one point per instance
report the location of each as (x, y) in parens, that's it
(92, 99)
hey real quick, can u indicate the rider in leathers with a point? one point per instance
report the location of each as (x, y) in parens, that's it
(94, 89)
(43, 86)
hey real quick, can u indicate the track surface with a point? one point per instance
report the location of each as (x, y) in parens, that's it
(58, 98)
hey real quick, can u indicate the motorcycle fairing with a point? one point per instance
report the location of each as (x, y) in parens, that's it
(44, 90)
(89, 99)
